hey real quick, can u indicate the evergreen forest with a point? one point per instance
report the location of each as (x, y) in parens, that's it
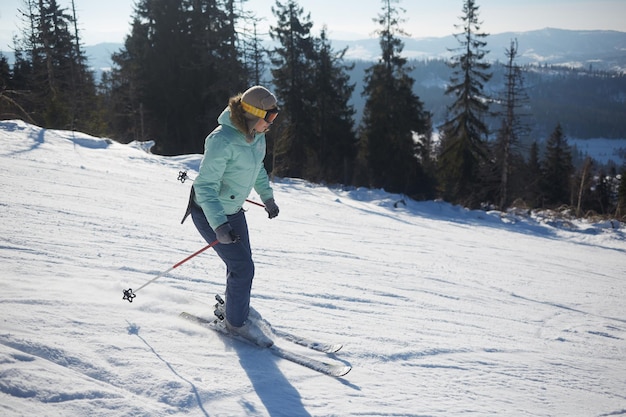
(473, 142)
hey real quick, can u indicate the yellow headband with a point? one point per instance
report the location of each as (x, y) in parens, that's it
(253, 110)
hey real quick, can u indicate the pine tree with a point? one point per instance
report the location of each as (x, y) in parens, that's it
(315, 138)
(10, 108)
(293, 63)
(393, 116)
(250, 46)
(122, 88)
(332, 115)
(507, 141)
(175, 73)
(557, 170)
(52, 66)
(254, 53)
(6, 103)
(463, 150)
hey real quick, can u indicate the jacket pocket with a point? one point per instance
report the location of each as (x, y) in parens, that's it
(227, 193)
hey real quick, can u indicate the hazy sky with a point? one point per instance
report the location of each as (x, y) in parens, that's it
(109, 20)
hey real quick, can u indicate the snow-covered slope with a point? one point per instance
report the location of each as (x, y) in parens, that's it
(443, 311)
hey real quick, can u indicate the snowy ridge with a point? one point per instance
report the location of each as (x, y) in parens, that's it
(442, 311)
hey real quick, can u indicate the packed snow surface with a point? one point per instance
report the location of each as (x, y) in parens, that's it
(442, 311)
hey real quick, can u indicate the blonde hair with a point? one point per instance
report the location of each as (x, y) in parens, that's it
(238, 116)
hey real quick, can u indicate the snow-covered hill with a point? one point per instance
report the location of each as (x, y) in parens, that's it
(442, 311)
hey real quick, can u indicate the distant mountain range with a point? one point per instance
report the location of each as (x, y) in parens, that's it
(603, 50)
(598, 49)
(100, 55)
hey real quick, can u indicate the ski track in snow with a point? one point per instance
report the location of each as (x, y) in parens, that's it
(442, 311)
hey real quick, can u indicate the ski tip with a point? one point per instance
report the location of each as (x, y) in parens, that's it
(335, 348)
(340, 371)
(326, 348)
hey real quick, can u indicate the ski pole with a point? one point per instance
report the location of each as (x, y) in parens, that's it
(182, 177)
(130, 295)
(255, 203)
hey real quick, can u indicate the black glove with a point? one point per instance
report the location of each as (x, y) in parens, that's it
(226, 235)
(271, 208)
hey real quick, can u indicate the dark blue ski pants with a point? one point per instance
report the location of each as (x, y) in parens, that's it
(238, 260)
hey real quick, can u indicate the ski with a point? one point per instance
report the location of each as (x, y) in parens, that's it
(306, 342)
(314, 364)
(333, 370)
(297, 339)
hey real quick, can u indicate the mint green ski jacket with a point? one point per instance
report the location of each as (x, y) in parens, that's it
(230, 169)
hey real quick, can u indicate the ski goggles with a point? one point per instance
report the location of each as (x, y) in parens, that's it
(268, 115)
